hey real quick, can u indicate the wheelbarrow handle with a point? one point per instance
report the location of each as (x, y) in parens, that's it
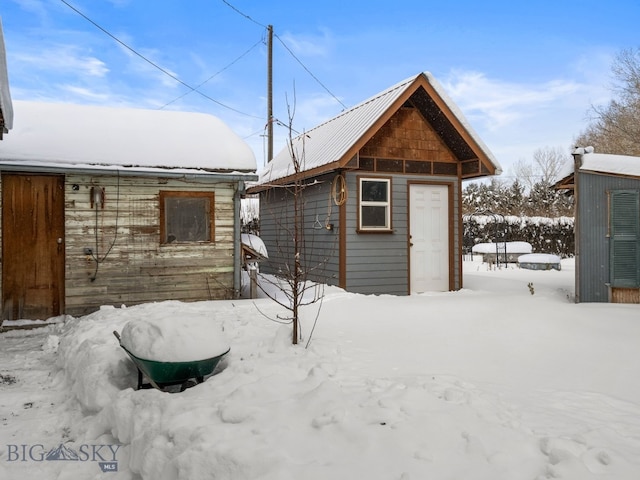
(117, 335)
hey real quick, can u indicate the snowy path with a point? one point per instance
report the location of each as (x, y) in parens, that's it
(36, 410)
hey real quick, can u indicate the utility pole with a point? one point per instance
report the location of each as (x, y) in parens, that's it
(269, 93)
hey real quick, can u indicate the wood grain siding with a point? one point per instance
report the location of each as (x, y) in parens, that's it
(625, 295)
(125, 236)
(594, 257)
(320, 245)
(407, 135)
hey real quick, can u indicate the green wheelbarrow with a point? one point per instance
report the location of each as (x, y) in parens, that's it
(166, 374)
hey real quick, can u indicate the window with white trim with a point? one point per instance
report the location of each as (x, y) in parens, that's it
(374, 204)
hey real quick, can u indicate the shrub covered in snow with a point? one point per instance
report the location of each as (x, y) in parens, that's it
(548, 235)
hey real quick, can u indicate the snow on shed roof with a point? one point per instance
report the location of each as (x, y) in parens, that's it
(330, 142)
(614, 164)
(603, 163)
(5, 96)
(80, 135)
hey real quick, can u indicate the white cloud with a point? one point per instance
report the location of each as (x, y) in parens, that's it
(34, 6)
(145, 68)
(314, 109)
(63, 58)
(85, 94)
(498, 103)
(308, 45)
(514, 119)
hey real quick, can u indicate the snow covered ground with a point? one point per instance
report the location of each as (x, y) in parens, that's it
(506, 379)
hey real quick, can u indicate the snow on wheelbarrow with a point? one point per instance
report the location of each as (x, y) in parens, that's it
(170, 352)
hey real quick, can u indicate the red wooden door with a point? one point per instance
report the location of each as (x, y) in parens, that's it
(32, 246)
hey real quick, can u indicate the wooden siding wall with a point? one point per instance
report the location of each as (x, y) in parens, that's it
(377, 263)
(407, 135)
(321, 245)
(594, 243)
(137, 268)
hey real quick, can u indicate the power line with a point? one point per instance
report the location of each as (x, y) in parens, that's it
(288, 49)
(243, 14)
(152, 63)
(309, 71)
(214, 75)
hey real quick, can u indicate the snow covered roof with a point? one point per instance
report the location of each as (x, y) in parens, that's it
(76, 136)
(335, 142)
(255, 243)
(6, 108)
(601, 163)
(613, 164)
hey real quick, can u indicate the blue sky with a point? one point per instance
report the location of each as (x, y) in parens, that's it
(524, 73)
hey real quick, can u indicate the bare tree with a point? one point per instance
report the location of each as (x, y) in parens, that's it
(546, 166)
(626, 70)
(549, 162)
(297, 260)
(615, 128)
(523, 170)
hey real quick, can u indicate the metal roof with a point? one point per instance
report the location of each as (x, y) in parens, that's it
(331, 141)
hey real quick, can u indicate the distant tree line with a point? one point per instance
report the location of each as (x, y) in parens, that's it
(542, 200)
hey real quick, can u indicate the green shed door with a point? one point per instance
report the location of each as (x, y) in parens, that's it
(625, 238)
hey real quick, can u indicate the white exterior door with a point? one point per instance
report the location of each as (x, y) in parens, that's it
(429, 238)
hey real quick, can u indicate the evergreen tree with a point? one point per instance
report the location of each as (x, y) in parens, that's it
(514, 202)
